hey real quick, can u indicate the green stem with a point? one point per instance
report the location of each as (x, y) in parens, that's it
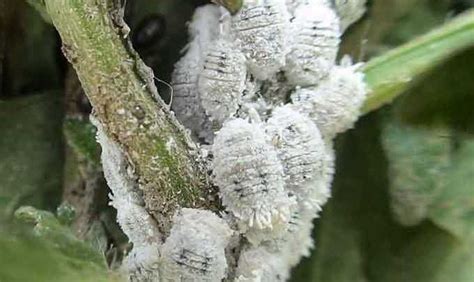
(390, 75)
(121, 90)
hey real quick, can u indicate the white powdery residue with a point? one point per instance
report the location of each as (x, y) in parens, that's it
(195, 248)
(314, 41)
(349, 11)
(203, 29)
(132, 217)
(222, 80)
(302, 151)
(335, 104)
(261, 265)
(249, 176)
(261, 30)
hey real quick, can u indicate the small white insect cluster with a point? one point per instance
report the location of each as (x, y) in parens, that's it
(262, 89)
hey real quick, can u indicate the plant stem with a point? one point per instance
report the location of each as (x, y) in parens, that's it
(120, 88)
(391, 74)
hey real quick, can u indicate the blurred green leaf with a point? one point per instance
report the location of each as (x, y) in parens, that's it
(31, 150)
(47, 226)
(453, 209)
(418, 160)
(25, 258)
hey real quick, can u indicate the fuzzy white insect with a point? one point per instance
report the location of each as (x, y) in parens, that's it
(261, 30)
(315, 38)
(250, 176)
(335, 104)
(222, 80)
(349, 11)
(302, 152)
(261, 265)
(297, 241)
(203, 29)
(194, 250)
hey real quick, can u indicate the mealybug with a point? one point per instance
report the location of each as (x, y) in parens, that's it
(349, 11)
(261, 29)
(314, 41)
(259, 264)
(250, 176)
(186, 101)
(222, 80)
(302, 152)
(335, 104)
(195, 248)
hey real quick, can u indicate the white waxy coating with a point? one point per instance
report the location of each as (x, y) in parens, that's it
(261, 30)
(314, 41)
(249, 176)
(222, 80)
(261, 265)
(194, 250)
(302, 152)
(141, 264)
(349, 11)
(335, 104)
(203, 29)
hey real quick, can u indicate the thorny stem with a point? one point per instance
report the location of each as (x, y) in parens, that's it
(391, 74)
(120, 88)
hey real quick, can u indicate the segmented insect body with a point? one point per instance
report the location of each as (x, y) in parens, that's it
(302, 152)
(250, 176)
(297, 241)
(315, 38)
(260, 264)
(222, 80)
(186, 101)
(195, 248)
(293, 4)
(261, 31)
(335, 104)
(349, 11)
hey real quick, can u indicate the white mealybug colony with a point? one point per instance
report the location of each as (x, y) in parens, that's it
(314, 43)
(261, 30)
(263, 91)
(335, 104)
(222, 80)
(250, 177)
(302, 152)
(195, 248)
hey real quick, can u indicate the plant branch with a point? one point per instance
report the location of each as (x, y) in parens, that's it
(391, 74)
(120, 88)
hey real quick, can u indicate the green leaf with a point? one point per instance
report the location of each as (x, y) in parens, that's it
(27, 258)
(453, 209)
(31, 151)
(391, 74)
(48, 227)
(418, 160)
